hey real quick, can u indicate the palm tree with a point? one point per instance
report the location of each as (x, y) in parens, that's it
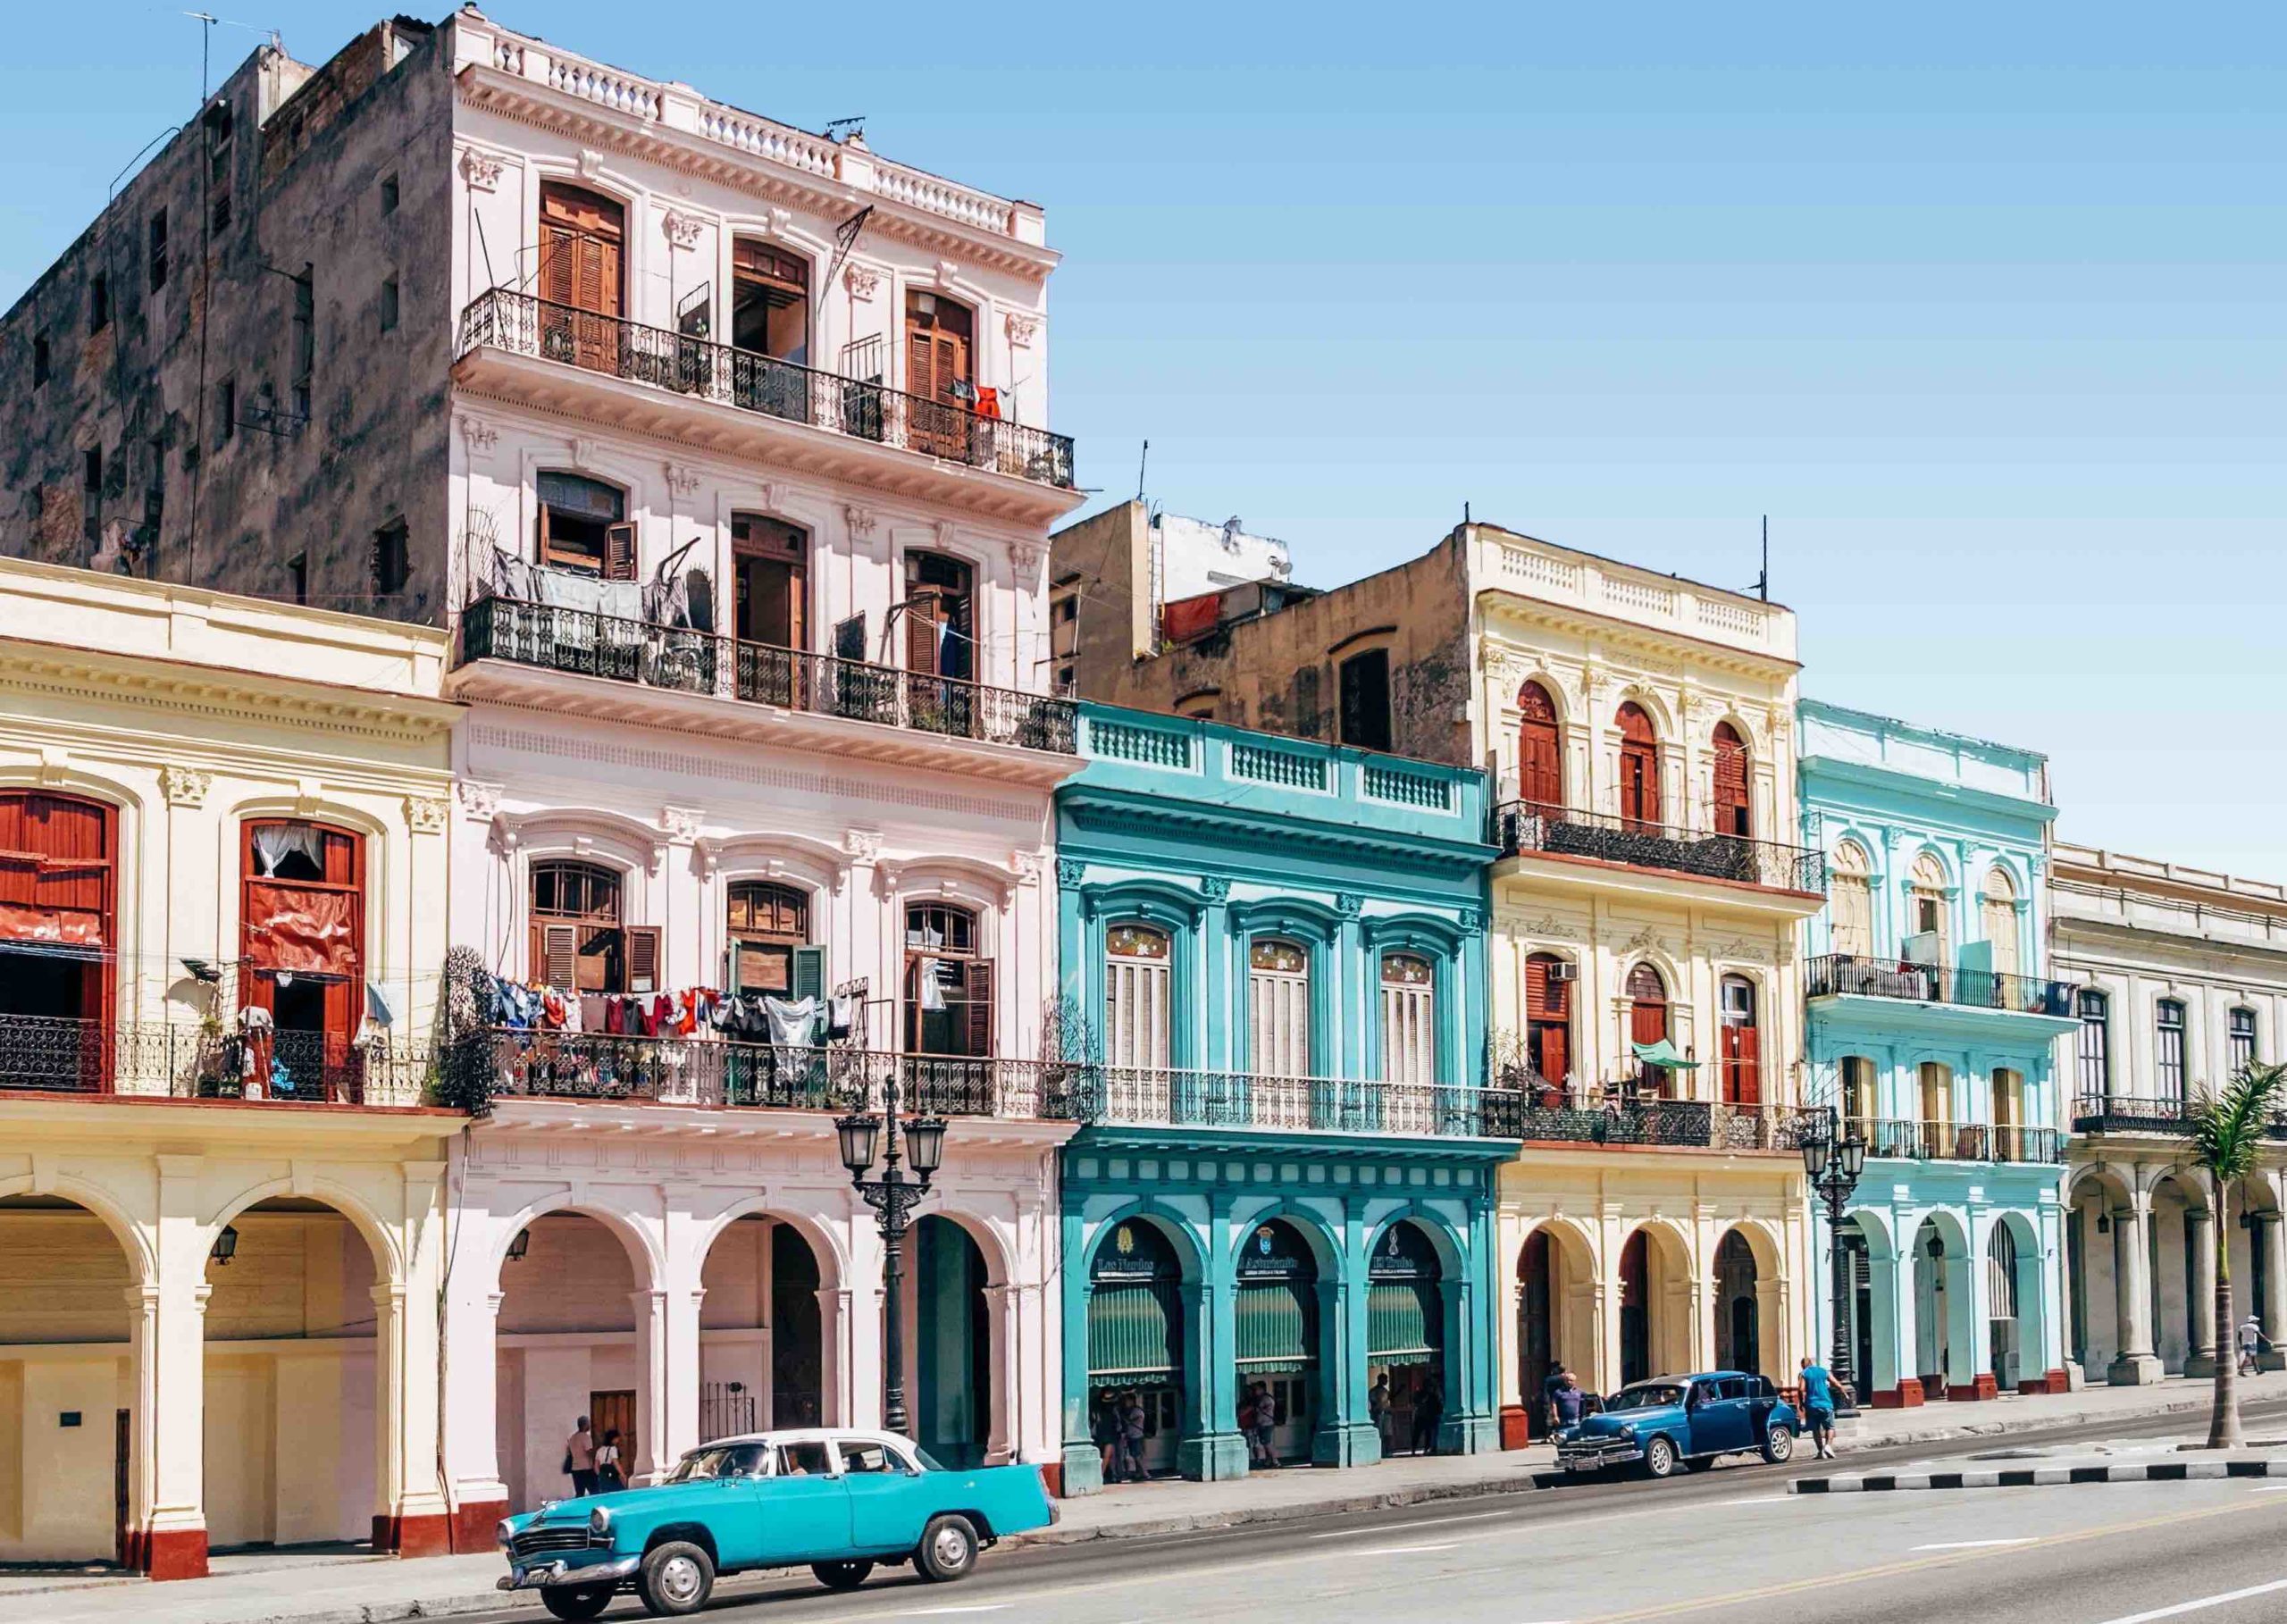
(2227, 1130)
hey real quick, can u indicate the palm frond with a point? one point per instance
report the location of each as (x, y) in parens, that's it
(2227, 1126)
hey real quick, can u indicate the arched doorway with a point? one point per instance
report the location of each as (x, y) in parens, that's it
(566, 1348)
(1944, 1341)
(1862, 1311)
(294, 1385)
(2004, 1343)
(761, 1351)
(1278, 1333)
(1556, 1320)
(1647, 1027)
(57, 891)
(1738, 1329)
(68, 1386)
(1640, 769)
(1405, 1330)
(1137, 1339)
(1732, 816)
(953, 1343)
(1540, 753)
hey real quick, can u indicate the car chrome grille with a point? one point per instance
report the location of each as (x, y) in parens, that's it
(532, 1542)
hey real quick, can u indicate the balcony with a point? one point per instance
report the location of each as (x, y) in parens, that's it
(675, 660)
(1850, 974)
(1528, 828)
(752, 403)
(2166, 1117)
(198, 1061)
(1978, 1141)
(1624, 1116)
(722, 1075)
(1129, 1096)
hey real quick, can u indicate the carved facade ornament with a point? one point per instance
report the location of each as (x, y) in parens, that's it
(1216, 888)
(481, 170)
(481, 436)
(425, 814)
(1025, 560)
(1743, 951)
(682, 229)
(1643, 941)
(948, 273)
(478, 801)
(1472, 920)
(1070, 871)
(682, 479)
(776, 223)
(1546, 927)
(860, 520)
(1349, 904)
(861, 845)
(944, 530)
(1022, 330)
(1026, 865)
(862, 281)
(591, 162)
(185, 786)
(682, 822)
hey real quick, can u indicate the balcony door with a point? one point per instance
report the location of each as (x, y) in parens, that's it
(302, 931)
(1742, 1044)
(939, 336)
(1540, 754)
(1278, 1008)
(582, 240)
(1731, 815)
(56, 932)
(770, 322)
(948, 984)
(1648, 1024)
(1136, 958)
(580, 942)
(1548, 1017)
(1999, 908)
(1409, 1019)
(1640, 769)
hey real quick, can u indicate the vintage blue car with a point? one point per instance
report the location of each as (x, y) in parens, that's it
(840, 1502)
(1675, 1421)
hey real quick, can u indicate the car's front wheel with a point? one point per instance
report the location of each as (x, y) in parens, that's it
(948, 1548)
(1660, 1458)
(675, 1578)
(1779, 1444)
(575, 1602)
(843, 1575)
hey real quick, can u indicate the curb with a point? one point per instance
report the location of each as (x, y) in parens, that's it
(1239, 1517)
(2042, 1477)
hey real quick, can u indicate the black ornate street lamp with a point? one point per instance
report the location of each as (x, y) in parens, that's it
(894, 1196)
(1833, 1162)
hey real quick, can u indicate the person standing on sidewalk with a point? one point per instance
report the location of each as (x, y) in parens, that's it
(1377, 1410)
(2252, 1340)
(579, 1458)
(1818, 1406)
(1429, 1410)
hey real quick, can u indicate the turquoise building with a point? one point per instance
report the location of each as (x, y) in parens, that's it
(1931, 1026)
(1272, 956)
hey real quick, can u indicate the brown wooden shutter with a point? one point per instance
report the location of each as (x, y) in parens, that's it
(980, 1007)
(921, 639)
(644, 951)
(1640, 766)
(920, 362)
(556, 953)
(558, 259)
(619, 552)
(1546, 998)
(1540, 759)
(1742, 1065)
(1731, 782)
(1554, 1057)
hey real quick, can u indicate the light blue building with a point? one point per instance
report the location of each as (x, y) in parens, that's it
(1931, 1025)
(1272, 961)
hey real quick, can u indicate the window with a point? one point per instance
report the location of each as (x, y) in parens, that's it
(98, 304)
(578, 942)
(1549, 981)
(940, 616)
(1639, 768)
(91, 493)
(1859, 1106)
(1278, 1008)
(1647, 1024)
(770, 575)
(583, 527)
(1068, 678)
(868, 1457)
(806, 1458)
(1409, 1019)
(2241, 1033)
(1365, 700)
(769, 931)
(2167, 1050)
(1850, 900)
(770, 304)
(388, 195)
(305, 339)
(1925, 906)
(392, 561)
(2096, 1044)
(302, 941)
(1999, 908)
(1742, 1044)
(1936, 1106)
(2008, 1113)
(388, 304)
(1137, 960)
(40, 358)
(1731, 814)
(938, 361)
(226, 412)
(220, 126)
(298, 578)
(158, 250)
(1200, 705)
(1540, 752)
(581, 237)
(58, 906)
(948, 984)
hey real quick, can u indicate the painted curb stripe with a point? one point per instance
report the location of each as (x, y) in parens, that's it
(2158, 1471)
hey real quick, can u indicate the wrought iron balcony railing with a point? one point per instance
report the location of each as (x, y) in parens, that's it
(1905, 1139)
(1144, 1096)
(1624, 1114)
(200, 1060)
(2134, 1114)
(1521, 826)
(523, 324)
(719, 1073)
(588, 644)
(1856, 975)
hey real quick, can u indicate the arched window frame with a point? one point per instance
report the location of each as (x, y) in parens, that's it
(2171, 1047)
(1997, 894)
(1929, 903)
(1540, 747)
(1639, 790)
(1139, 996)
(1441, 943)
(2092, 1049)
(1739, 1016)
(1641, 975)
(1850, 896)
(1731, 784)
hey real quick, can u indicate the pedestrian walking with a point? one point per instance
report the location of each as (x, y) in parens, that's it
(2251, 1341)
(1818, 1405)
(1378, 1411)
(580, 1460)
(1549, 1386)
(1567, 1404)
(1105, 1436)
(1131, 1439)
(1266, 1423)
(609, 1475)
(1429, 1410)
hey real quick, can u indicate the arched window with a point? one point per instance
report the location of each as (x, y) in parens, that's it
(1136, 959)
(1937, 1109)
(582, 240)
(2242, 1034)
(769, 930)
(948, 984)
(302, 936)
(57, 906)
(770, 316)
(2007, 1102)
(1850, 896)
(1549, 983)
(1999, 908)
(1926, 911)
(938, 373)
(2169, 1049)
(1648, 1024)
(1742, 1044)
(940, 617)
(770, 573)
(1540, 751)
(1860, 1108)
(1278, 1008)
(1639, 768)
(1409, 1019)
(2095, 1055)
(580, 942)
(583, 527)
(1731, 814)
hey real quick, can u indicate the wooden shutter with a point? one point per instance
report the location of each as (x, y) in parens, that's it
(1731, 782)
(921, 638)
(809, 972)
(1553, 1050)
(1742, 1065)
(619, 552)
(980, 1007)
(1640, 766)
(1541, 757)
(1546, 999)
(558, 256)
(556, 953)
(644, 957)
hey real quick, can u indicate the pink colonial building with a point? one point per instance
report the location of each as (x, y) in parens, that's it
(753, 813)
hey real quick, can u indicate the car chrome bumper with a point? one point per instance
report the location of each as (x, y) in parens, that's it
(1595, 1459)
(552, 1573)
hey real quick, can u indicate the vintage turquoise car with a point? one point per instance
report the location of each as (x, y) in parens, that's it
(1674, 1421)
(839, 1502)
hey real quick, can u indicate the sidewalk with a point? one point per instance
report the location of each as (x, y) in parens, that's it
(372, 1590)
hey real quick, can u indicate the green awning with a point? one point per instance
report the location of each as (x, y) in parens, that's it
(1404, 1319)
(1274, 1322)
(1664, 1054)
(1132, 1330)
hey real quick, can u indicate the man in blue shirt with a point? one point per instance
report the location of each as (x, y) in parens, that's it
(1818, 1406)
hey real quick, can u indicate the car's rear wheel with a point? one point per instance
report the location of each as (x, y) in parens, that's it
(843, 1575)
(1660, 1458)
(675, 1578)
(948, 1548)
(1779, 1444)
(575, 1602)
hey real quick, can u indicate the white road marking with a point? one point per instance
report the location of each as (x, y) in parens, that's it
(1427, 1522)
(2270, 1488)
(2200, 1605)
(1973, 1544)
(1454, 1545)
(933, 1612)
(1759, 1500)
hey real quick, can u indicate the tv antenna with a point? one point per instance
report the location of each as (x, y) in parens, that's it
(1142, 463)
(1762, 580)
(839, 130)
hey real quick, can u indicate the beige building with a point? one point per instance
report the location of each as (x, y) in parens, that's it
(1638, 729)
(222, 885)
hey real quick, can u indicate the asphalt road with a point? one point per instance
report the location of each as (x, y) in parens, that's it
(1727, 1547)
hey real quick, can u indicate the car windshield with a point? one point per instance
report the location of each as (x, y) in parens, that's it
(1652, 1395)
(718, 1461)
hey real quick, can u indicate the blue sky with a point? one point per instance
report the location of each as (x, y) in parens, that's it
(1983, 305)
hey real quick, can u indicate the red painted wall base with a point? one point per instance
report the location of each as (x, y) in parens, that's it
(1985, 1387)
(1906, 1396)
(1051, 1478)
(1516, 1427)
(175, 1553)
(473, 1526)
(2056, 1381)
(431, 1535)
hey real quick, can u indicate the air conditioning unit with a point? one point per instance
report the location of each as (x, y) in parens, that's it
(1564, 969)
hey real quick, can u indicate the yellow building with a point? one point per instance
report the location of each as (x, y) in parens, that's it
(223, 895)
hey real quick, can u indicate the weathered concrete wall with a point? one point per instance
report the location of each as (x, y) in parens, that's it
(1104, 563)
(208, 476)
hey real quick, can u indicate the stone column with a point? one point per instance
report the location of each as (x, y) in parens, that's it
(1343, 1436)
(2199, 1291)
(2271, 1236)
(472, 1397)
(1211, 1447)
(652, 1380)
(1004, 1336)
(837, 1361)
(171, 1381)
(2135, 1365)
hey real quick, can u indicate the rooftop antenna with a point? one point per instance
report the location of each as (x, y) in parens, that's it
(839, 130)
(1142, 463)
(1763, 580)
(1465, 518)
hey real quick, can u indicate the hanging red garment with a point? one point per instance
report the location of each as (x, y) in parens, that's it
(988, 402)
(305, 931)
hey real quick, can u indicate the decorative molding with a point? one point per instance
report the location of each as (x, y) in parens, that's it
(860, 520)
(944, 533)
(1743, 951)
(586, 452)
(1216, 888)
(1023, 330)
(767, 496)
(948, 273)
(185, 786)
(776, 221)
(309, 795)
(1547, 927)
(680, 823)
(592, 163)
(1472, 920)
(1349, 904)
(1025, 560)
(481, 436)
(1028, 867)
(1645, 941)
(683, 479)
(481, 170)
(682, 229)
(425, 814)
(1070, 870)
(863, 845)
(863, 281)
(478, 801)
